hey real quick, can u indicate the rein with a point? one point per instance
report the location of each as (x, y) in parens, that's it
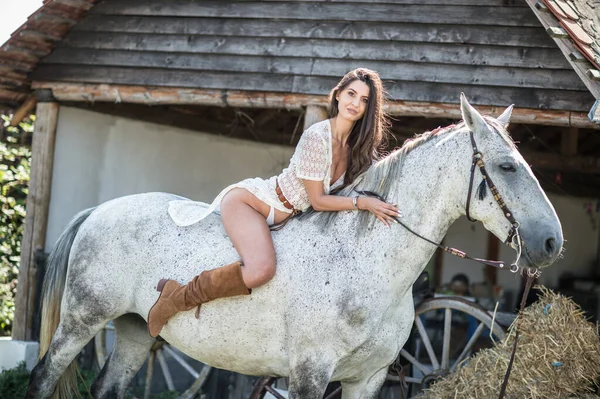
(513, 238)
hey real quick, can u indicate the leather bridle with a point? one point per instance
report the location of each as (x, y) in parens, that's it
(513, 233)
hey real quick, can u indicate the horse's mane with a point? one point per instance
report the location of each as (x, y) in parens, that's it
(379, 178)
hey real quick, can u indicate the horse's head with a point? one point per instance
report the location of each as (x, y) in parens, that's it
(539, 227)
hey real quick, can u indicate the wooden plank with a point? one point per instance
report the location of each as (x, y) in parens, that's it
(464, 74)
(384, 31)
(78, 92)
(24, 110)
(314, 114)
(36, 219)
(478, 95)
(567, 47)
(415, 13)
(320, 48)
(400, 90)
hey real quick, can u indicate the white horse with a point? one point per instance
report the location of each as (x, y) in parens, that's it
(340, 306)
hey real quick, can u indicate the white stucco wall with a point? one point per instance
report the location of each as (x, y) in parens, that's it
(99, 157)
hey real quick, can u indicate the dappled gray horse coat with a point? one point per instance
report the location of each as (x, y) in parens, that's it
(340, 304)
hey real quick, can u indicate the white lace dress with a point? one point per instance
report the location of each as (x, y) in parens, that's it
(311, 161)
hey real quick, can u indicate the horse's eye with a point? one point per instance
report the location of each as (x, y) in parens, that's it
(508, 167)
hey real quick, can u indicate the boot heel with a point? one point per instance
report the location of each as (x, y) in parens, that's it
(161, 284)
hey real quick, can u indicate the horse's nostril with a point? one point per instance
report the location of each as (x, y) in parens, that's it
(550, 246)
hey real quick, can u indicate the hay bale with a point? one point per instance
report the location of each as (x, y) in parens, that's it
(558, 356)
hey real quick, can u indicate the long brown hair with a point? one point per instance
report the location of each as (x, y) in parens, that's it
(370, 134)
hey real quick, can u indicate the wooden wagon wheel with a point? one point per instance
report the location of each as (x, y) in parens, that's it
(463, 320)
(104, 341)
(441, 310)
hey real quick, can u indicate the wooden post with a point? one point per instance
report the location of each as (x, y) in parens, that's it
(493, 253)
(314, 114)
(36, 218)
(23, 111)
(438, 266)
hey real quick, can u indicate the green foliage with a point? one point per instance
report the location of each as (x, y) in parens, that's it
(13, 382)
(15, 161)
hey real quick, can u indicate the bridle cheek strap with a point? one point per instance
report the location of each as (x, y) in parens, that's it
(477, 160)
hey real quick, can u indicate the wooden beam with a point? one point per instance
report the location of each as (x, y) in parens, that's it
(314, 114)
(482, 14)
(357, 52)
(577, 164)
(568, 142)
(36, 219)
(335, 29)
(465, 74)
(90, 93)
(24, 110)
(438, 268)
(493, 253)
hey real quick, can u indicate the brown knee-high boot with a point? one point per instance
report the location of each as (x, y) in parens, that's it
(221, 282)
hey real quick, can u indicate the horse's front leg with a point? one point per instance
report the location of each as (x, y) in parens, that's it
(366, 388)
(309, 377)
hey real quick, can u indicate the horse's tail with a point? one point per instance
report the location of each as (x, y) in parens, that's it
(52, 292)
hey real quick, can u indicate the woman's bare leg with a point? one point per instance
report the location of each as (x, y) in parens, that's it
(244, 218)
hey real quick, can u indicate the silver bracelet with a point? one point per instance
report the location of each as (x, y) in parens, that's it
(354, 202)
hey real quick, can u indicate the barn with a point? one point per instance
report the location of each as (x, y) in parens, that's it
(188, 96)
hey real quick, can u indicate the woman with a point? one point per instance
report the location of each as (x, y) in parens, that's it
(330, 155)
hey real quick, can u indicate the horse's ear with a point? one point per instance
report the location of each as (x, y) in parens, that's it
(504, 119)
(472, 118)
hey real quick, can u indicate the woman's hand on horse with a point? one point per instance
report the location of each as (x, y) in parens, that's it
(386, 213)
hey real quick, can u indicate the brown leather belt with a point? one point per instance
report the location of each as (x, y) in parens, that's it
(281, 197)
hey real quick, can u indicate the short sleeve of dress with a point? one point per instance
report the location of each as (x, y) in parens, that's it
(311, 156)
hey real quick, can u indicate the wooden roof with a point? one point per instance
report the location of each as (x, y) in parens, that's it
(581, 20)
(33, 40)
(427, 51)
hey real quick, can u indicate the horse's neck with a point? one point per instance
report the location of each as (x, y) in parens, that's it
(429, 194)
(432, 188)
